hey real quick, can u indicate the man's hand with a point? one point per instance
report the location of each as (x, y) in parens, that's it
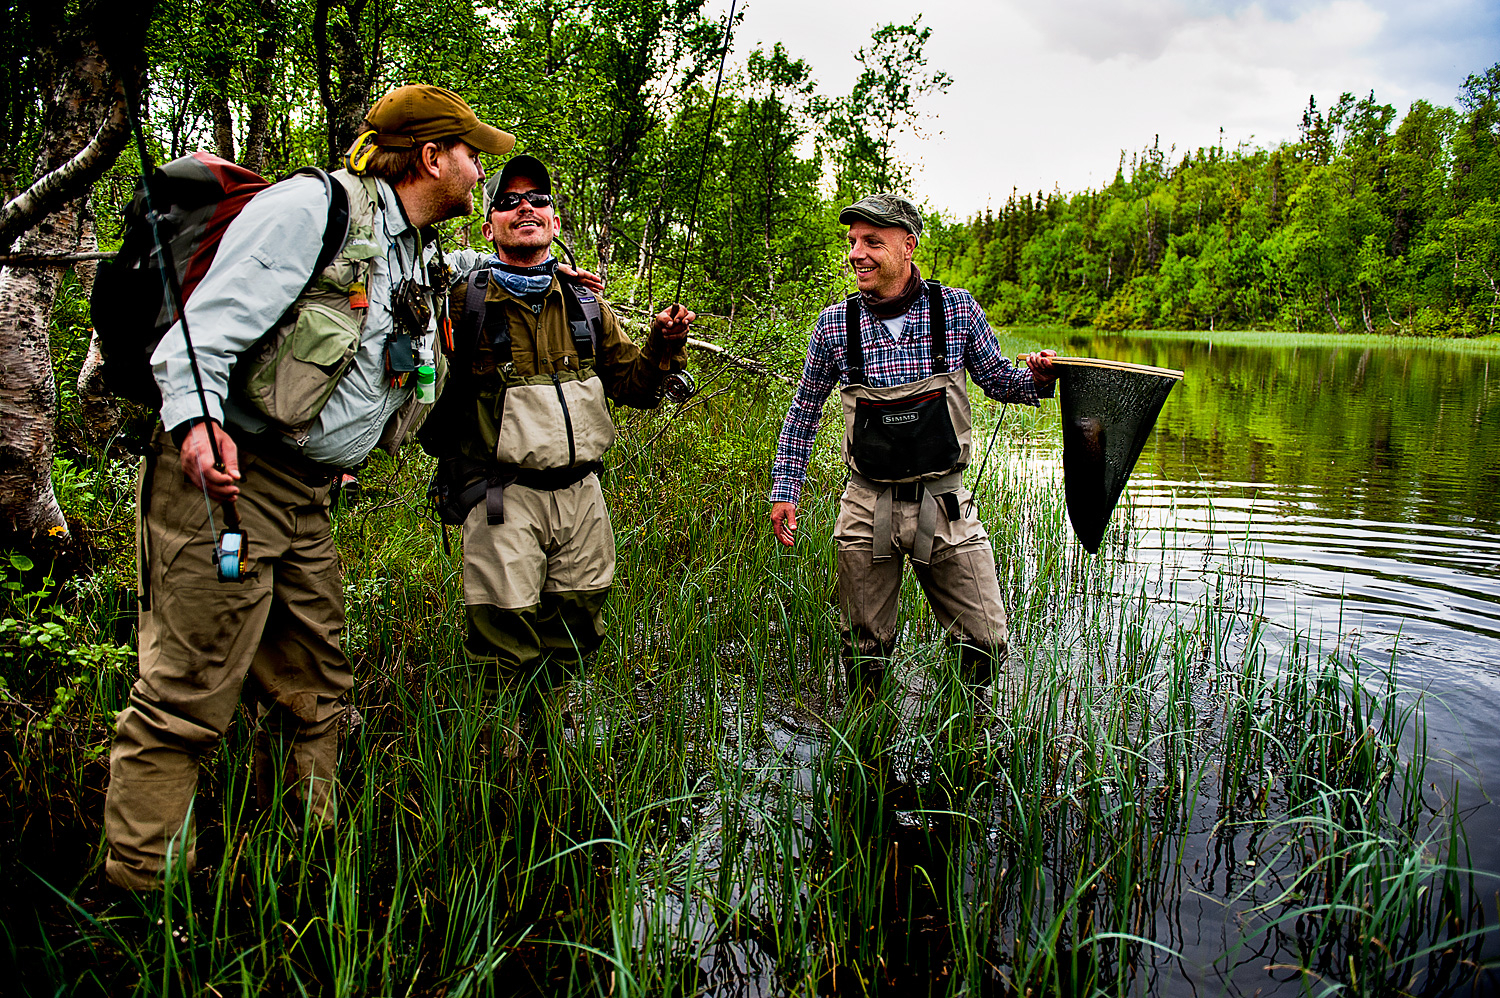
(198, 462)
(587, 278)
(784, 522)
(1040, 364)
(672, 323)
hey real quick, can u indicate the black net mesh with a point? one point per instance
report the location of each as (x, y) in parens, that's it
(1108, 411)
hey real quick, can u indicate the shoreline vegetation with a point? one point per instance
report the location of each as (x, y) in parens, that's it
(1365, 223)
(707, 815)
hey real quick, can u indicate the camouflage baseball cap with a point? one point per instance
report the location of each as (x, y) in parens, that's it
(411, 115)
(889, 211)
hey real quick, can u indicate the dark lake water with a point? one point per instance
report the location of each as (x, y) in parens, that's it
(1365, 482)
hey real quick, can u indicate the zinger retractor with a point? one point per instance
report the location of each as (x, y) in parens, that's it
(229, 555)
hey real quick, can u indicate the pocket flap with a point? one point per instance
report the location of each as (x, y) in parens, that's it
(324, 336)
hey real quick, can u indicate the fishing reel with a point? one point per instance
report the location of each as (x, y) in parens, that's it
(678, 387)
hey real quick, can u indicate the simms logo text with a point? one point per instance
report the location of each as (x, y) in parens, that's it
(896, 418)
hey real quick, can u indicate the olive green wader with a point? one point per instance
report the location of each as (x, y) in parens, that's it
(906, 447)
(275, 633)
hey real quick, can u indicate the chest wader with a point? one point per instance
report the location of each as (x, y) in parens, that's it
(909, 443)
(541, 408)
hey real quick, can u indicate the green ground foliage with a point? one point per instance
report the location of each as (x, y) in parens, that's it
(1364, 224)
(707, 810)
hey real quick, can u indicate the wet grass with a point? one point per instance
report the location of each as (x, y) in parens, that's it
(1160, 797)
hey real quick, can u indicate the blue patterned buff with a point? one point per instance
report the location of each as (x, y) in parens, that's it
(524, 282)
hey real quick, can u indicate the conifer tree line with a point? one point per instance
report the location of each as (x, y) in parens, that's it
(1363, 224)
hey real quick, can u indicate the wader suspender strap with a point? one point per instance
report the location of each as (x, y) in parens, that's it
(938, 320)
(585, 320)
(471, 323)
(854, 351)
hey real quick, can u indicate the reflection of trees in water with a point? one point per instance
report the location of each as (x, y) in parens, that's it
(1379, 431)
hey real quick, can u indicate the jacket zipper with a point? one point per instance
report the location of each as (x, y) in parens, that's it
(567, 420)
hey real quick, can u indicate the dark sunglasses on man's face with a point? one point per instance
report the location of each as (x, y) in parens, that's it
(511, 200)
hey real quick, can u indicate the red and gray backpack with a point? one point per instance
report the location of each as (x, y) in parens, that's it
(196, 197)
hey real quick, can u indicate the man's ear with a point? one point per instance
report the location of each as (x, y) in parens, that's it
(487, 231)
(432, 155)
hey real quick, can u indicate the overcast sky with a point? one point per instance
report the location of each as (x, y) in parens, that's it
(1049, 93)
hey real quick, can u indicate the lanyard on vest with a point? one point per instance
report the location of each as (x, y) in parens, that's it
(854, 354)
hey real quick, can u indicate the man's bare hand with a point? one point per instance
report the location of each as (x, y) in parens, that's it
(784, 522)
(198, 462)
(673, 323)
(587, 278)
(1040, 364)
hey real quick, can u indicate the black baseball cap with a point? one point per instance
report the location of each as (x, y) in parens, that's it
(518, 166)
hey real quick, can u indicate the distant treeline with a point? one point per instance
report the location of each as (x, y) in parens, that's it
(1356, 226)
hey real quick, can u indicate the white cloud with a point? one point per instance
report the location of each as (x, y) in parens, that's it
(1049, 93)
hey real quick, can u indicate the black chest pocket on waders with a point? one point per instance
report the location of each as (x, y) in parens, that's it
(904, 438)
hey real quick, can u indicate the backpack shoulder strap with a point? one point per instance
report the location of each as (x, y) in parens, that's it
(585, 317)
(854, 351)
(336, 232)
(938, 318)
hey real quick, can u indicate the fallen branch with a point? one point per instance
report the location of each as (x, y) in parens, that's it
(749, 365)
(51, 259)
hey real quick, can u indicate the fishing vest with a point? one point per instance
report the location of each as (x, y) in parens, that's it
(290, 373)
(911, 442)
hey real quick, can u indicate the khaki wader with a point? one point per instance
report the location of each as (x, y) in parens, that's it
(535, 584)
(274, 636)
(906, 447)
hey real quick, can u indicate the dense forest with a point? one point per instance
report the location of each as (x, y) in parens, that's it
(1362, 224)
(1365, 222)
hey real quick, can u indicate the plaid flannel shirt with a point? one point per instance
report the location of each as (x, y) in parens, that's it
(971, 345)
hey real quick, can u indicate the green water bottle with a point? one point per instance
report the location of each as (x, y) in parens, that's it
(426, 384)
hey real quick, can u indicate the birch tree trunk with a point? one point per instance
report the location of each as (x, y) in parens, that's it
(28, 393)
(79, 90)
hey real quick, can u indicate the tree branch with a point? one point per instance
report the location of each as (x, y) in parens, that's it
(69, 180)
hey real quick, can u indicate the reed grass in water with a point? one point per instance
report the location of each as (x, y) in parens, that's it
(1159, 793)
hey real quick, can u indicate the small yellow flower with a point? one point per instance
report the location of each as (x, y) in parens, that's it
(56, 531)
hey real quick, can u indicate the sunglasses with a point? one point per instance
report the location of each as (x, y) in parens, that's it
(512, 200)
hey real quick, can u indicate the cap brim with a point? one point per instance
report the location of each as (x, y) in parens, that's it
(490, 140)
(856, 214)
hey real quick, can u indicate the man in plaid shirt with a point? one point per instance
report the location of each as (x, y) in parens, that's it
(955, 562)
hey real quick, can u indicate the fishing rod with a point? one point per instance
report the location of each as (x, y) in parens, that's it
(229, 547)
(678, 386)
(708, 134)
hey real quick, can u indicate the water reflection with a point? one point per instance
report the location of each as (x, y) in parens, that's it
(1367, 479)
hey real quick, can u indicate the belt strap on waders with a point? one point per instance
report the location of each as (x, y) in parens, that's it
(930, 494)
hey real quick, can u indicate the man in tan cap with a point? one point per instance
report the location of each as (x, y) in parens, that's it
(306, 332)
(900, 348)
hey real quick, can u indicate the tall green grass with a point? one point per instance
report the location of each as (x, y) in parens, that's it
(710, 814)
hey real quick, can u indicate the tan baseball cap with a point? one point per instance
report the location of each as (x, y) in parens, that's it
(411, 115)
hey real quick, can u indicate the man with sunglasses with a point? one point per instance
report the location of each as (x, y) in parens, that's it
(524, 420)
